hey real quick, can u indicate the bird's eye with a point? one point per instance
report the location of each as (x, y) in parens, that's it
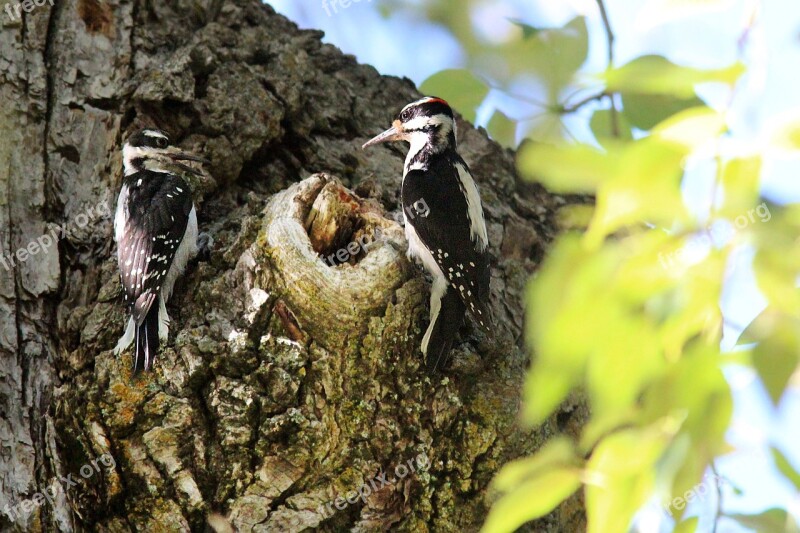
(161, 143)
(405, 115)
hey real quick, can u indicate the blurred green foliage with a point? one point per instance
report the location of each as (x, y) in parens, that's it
(626, 310)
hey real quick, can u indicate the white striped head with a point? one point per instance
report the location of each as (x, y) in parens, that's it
(151, 149)
(428, 121)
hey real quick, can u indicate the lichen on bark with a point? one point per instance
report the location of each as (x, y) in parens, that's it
(287, 381)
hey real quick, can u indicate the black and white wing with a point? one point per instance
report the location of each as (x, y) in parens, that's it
(155, 218)
(444, 214)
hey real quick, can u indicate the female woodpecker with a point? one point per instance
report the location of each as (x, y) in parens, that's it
(156, 233)
(449, 236)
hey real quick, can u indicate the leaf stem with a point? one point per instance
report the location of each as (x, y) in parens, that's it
(610, 39)
(718, 485)
(565, 110)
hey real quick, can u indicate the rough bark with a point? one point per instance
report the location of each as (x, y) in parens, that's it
(286, 382)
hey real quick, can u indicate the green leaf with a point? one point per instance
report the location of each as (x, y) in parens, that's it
(602, 126)
(770, 521)
(503, 129)
(545, 388)
(694, 393)
(566, 168)
(615, 379)
(645, 111)
(621, 477)
(557, 453)
(652, 74)
(463, 90)
(776, 270)
(762, 325)
(785, 467)
(528, 31)
(563, 323)
(534, 486)
(691, 128)
(648, 169)
(687, 526)
(554, 55)
(787, 134)
(776, 357)
(574, 216)
(533, 499)
(546, 128)
(740, 181)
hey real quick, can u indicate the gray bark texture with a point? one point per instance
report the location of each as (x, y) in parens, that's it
(286, 382)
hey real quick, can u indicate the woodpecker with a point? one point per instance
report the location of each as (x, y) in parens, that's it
(444, 222)
(155, 228)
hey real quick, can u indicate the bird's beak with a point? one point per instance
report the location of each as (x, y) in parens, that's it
(183, 156)
(176, 155)
(395, 133)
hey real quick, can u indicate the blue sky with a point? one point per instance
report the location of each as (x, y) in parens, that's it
(407, 45)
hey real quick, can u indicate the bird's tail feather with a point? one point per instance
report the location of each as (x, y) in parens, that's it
(443, 329)
(127, 338)
(147, 341)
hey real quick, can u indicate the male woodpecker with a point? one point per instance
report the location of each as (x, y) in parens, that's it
(155, 228)
(449, 236)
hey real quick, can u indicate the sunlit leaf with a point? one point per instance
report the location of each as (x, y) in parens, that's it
(533, 486)
(695, 390)
(527, 30)
(645, 111)
(687, 526)
(691, 485)
(557, 453)
(554, 55)
(676, 464)
(457, 17)
(461, 88)
(575, 216)
(740, 181)
(603, 124)
(503, 129)
(762, 325)
(785, 467)
(776, 272)
(776, 358)
(787, 132)
(547, 128)
(654, 74)
(770, 521)
(568, 311)
(691, 128)
(546, 387)
(692, 308)
(648, 169)
(566, 168)
(604, 424)
(534, 498)
(616, 376)
(620, 477)
(693, 396)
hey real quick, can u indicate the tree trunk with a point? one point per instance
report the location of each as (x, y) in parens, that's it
(287, 382)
